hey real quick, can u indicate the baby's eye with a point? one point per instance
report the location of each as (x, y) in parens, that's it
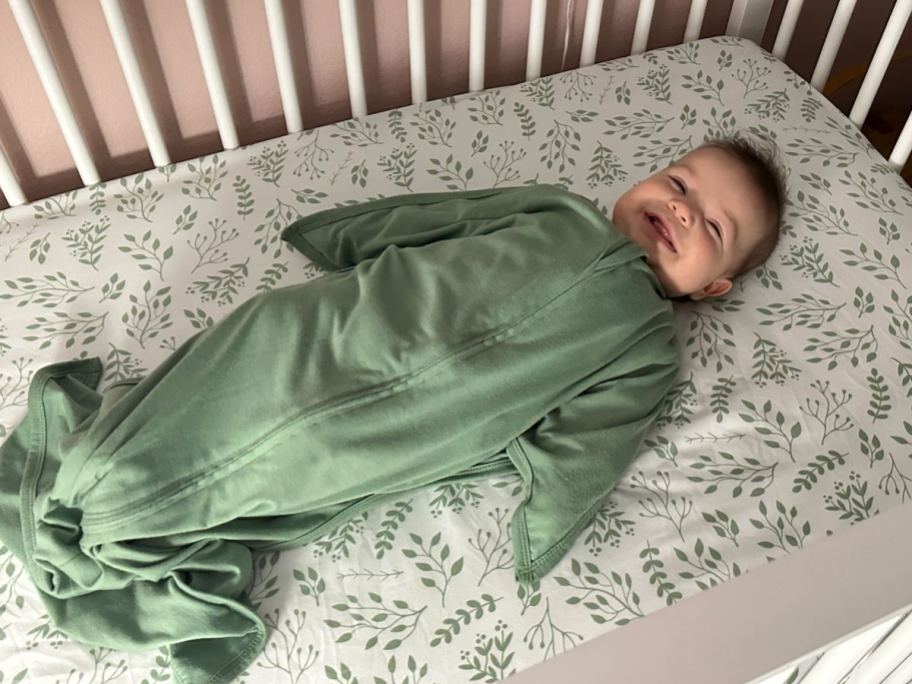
(683, 190)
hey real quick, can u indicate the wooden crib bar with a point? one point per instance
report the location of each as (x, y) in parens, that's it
(120, 34)
(694, 20)
(885, 49)
(787, 28)
(591, 31)
(477, 44)
(281, 54)
(643, 22)
(417, 61)
(50, 79)
(353, 69)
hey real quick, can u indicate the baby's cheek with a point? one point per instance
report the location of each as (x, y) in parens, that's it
(620, 206)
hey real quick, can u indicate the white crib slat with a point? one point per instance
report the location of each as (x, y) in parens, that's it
(123, 44)
(694, 20)
(591, 31)
(534, 53)
(840, 658)
(778, 678)
(881, 60)
(417, 55)
(902, 674)
(8, 183)
(887, 656)
(748, 19)
(202, 35)
(281, 55)
(50, 79)
(478, 20)
(903, 147)
(351, 44)
(643, 22)
(787, 28)
(832, 43)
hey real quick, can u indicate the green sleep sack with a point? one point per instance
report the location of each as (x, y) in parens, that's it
(450, 327)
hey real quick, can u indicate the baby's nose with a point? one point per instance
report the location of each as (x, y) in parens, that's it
(682, 211)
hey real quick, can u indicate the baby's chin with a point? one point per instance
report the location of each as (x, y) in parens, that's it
(618, 219)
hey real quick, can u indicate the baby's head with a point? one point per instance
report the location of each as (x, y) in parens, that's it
(721, 203)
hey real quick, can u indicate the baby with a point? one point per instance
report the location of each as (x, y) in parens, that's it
(454, 336)
(707, 218)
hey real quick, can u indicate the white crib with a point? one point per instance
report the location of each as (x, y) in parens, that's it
(789, 621)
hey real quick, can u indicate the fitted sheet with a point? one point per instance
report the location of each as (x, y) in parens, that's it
(786, 424)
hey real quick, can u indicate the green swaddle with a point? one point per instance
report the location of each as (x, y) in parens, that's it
(450, 328)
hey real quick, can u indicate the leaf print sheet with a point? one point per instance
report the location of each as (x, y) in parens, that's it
(789, 420)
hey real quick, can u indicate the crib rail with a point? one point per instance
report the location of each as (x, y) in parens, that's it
(850, 621)
(748, 19)
(870, 656)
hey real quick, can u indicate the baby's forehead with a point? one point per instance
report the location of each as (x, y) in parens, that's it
(708, 158)
(715, 168)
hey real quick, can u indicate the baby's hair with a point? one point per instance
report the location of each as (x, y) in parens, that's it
(762, 165)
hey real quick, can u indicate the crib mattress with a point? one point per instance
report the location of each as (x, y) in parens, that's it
(786, 423)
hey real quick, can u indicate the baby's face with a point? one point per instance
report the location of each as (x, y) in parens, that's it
(713, 212)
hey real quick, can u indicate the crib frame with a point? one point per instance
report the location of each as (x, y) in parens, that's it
(748, 19)
(869, 628)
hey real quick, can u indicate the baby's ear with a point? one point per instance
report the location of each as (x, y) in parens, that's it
(716, 288)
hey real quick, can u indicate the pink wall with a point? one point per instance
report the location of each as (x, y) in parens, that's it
(85, 55)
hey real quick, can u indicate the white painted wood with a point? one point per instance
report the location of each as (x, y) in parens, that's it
(123, 44)
(281, 56)
(748, 19)
(831, 44)
(478, 20)
(594, 9)
(903, 147)
(9, 184)
(694, 20)
(50, 79)
(215, 84)
(881, 60)
(535, 50)
(758, 623)
(787, 28)
(842, 658)
(887, 656)
(779, 677)
(568, 24)
(641, 30)
(902, 674)
(351, 45)
(417, 52)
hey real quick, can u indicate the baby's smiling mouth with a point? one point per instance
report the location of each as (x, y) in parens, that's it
(660, 228)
